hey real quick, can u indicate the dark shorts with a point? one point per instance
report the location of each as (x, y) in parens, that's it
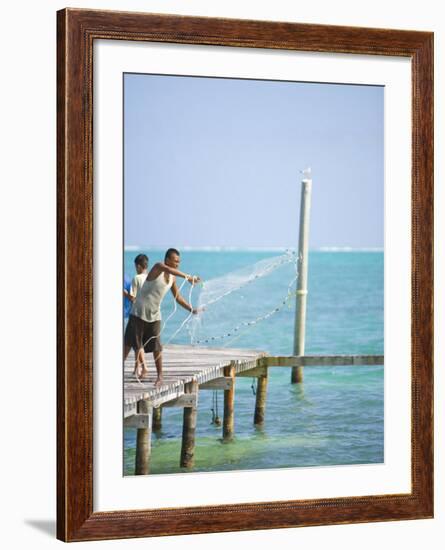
(141, 333)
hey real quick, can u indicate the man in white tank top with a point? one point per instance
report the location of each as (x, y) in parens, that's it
(144, 325)
(141, 266)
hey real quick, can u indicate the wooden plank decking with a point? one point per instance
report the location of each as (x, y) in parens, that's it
(182, 365)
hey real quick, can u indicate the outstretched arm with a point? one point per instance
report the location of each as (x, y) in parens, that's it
(180, 300)
(162, 267)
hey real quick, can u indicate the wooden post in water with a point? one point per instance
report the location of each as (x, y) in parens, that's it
(229, 405)
(260, 401)
(301, 299)
(157, 419)
(189, 430)
(143, 441)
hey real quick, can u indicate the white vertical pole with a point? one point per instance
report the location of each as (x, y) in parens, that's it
(301, 298)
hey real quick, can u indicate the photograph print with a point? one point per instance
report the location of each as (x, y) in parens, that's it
(253, 274)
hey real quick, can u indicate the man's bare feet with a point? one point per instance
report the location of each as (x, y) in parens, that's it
(143, 372)
(159, 382)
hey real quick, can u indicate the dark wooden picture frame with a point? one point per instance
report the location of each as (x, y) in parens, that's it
(77, 31)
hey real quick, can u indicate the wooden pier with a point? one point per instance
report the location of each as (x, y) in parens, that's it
(186, 371)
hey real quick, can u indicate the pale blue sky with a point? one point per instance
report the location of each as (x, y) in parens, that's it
(215, 162)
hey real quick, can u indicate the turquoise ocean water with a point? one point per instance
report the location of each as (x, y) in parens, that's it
(335, 417)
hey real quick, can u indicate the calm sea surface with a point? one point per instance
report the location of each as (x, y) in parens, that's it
(335, 417)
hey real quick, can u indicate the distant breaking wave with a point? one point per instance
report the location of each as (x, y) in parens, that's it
(135, 248)
(347, 249)
(235, 248)
(132, 248)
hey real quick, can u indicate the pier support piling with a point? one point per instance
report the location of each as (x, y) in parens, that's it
(260, 401)
(157, 419)
(303, 248)
(229, 405)
(143, 441)
(189, 429)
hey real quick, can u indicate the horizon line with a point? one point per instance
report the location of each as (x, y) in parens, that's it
(135, 248)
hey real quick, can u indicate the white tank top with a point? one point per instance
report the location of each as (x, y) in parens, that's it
(148, 300)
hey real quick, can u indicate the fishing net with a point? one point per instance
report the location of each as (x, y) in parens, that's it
(232, 305)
